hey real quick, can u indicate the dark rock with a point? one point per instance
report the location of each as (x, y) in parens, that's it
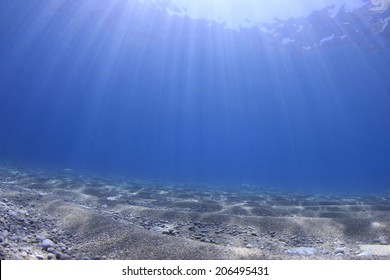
(57, 254)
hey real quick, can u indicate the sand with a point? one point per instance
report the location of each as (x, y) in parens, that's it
(88, 217)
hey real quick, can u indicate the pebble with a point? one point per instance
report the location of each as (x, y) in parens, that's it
(39, 257)
(50, 250)
(14, 238)
(249, 245)
(168, 231)
(40, 238)
(23, 212)
(339, 251)
(305, 251)
(63, 257)
(51, 256)
(47, 243)
(157, 229)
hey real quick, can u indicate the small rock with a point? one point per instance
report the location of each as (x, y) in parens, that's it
(249, 245)
(23, 212)
(50, 250)
(47, 243)
(157, 229)
(39, 257)
(50, 256)
(14, 238)
(339, 251)
(24, 254)
(168, 231)
(64, 257)
(57, 254)
(5, 200)
(40, 238)
(4, 244)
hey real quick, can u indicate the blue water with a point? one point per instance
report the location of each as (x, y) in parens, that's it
(125, 89)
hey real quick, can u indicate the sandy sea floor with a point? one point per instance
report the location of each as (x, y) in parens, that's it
(68, 216)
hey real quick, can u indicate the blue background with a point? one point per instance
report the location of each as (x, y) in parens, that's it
(143, 94)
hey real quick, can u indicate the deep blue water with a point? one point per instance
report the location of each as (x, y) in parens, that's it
(132, 91)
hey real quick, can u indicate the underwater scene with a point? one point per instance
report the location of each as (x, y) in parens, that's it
(183, 129)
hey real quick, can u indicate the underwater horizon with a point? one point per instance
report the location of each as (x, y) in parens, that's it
(284, 97)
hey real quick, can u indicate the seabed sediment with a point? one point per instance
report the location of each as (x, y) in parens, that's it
(66, 216)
